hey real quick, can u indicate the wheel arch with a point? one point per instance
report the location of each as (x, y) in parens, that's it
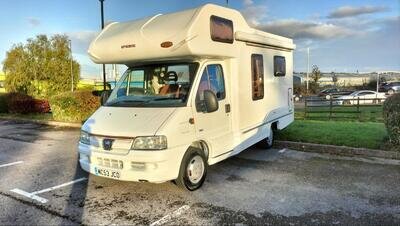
(201, 144)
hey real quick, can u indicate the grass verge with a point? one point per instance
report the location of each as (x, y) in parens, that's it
(352, 134)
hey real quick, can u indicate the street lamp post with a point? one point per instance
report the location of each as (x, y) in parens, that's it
(102, 26)
(72, 74)
(308, 66)
(377, 82)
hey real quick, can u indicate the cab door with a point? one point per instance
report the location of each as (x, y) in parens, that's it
(214, 127)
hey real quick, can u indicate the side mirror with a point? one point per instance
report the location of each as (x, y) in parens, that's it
(104, 96)
(210, 101)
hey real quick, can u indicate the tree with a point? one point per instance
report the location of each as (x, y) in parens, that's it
(315, 74)
(41, 67)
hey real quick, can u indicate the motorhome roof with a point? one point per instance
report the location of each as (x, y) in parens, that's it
(176, 35)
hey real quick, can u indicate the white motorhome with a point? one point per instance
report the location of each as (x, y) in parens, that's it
(201, 86)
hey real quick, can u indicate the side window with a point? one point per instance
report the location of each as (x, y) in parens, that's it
(279, 66)
(221, 29)
(211, 79)
(136, 79)
(257, 76)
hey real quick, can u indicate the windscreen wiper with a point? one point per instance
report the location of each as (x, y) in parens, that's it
(126, 101)
(166, 98)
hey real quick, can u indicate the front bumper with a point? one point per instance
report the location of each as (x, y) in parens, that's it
(151, 166)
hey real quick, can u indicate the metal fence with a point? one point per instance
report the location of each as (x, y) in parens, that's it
(315, 107)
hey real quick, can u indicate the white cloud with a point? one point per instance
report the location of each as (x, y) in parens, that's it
(81, 40)
(349, 11)
(248, 2)
(306, 30)
(254, 14)
(33, 22)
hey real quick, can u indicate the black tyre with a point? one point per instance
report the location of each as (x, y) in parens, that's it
(268, 142)
(193, 170)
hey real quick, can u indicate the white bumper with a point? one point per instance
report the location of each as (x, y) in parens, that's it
(151, 166)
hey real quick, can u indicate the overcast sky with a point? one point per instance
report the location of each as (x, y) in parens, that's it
(343, 36)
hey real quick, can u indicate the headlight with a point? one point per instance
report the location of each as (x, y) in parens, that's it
(85, 138)
(150, 143)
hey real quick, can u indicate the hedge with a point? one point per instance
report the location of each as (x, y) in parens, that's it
(391, 117)
(74, 106)
(22, 104)
(3, 103)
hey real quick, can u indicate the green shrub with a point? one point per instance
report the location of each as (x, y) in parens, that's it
(391, 116)
(3, 103)
(74, 106)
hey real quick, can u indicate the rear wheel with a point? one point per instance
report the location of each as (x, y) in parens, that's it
(193, 169)
(268, 141)
(390, 91)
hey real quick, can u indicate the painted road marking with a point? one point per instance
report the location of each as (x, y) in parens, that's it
(283, 150)
(168, 217)
(34, 196)
(11, 164)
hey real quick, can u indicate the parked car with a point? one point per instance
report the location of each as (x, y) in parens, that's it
(390, 88)
(364, 96)
(333, 92)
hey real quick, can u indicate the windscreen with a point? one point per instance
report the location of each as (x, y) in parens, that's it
(158, 85)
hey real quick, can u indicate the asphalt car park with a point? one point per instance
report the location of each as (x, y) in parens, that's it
(276, 186)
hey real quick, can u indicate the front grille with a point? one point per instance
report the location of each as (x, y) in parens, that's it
(119, 146)
(110, 163)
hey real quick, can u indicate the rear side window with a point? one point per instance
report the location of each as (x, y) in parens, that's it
(279, 66)
(211, 79)
(257, 76)
(221, 29)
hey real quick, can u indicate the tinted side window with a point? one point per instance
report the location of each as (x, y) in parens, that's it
(257, 76)
(211, 79)
(279, 66)
(221, 29)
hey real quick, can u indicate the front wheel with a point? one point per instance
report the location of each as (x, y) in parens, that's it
(193, 170)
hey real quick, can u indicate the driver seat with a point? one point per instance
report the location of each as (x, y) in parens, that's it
(170, 89)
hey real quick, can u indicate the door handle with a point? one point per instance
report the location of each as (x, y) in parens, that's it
(227, 108)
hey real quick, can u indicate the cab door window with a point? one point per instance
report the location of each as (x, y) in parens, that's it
(211, 79)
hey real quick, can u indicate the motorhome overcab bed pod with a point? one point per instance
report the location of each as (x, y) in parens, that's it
(201, 86)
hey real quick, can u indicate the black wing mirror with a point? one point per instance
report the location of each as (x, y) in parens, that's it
(210, 101)
(104, 96)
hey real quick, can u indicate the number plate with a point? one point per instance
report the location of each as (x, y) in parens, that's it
(107, 173)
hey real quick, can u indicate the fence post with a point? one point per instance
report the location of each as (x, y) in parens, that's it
(305, 107)
(358, 109)
(330, 108)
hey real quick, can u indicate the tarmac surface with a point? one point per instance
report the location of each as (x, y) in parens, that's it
(270, 187)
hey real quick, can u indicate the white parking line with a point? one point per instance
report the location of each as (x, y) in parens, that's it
(283, 150)
(34, 196)
(168, 217)
(11, 164)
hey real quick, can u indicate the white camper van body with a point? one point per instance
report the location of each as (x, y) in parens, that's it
(240, 121)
